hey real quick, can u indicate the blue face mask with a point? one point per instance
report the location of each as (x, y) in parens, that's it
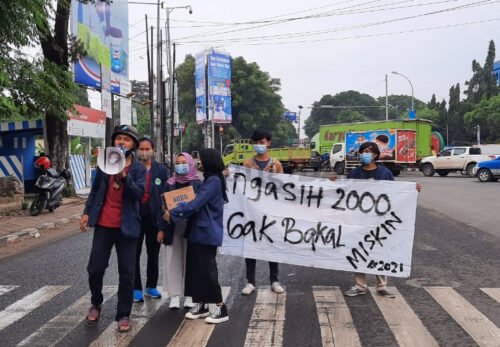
(260, 149)
(366, 158)
(182, 169)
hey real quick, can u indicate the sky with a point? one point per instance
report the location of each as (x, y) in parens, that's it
(324, 47)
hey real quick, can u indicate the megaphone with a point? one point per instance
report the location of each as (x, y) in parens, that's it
(111, 160)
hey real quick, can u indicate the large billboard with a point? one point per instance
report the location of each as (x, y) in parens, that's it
(86, 122)
(385, 139)
(219, 87)
(103, 28)
(200, 85)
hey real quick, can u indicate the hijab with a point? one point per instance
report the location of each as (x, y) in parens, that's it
(192, 174)
(213, 165)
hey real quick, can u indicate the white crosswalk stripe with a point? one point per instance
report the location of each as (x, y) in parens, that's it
(476, 324)
(21, 308)
(266, 326)
(335, 320)
(58, 327)
(268, 319)
(404, 323)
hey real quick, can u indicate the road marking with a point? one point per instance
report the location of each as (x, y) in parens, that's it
(141, 313)
(6, 289)
(195, 332)
(335, 320)
(476, 324)
(29, 303)
(58, 327)
(404, 323)
(493, 292)
(268, 319)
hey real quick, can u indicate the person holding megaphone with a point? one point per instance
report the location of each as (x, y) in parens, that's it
(113, 209)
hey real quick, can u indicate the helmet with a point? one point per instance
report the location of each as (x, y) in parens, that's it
(42, 163)
(128, 130)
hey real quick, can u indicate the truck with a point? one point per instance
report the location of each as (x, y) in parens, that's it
(398, 149)
(461, 159)
(335, 133)
(291, 158)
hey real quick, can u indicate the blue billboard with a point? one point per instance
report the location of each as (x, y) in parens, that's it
(102, 27)
(219, 87)
(385, 140)
(290, 116)
(200, 85)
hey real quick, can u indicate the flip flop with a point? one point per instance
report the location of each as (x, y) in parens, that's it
(94, 314)
(124, 324)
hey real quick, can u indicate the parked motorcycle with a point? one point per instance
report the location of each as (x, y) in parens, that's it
(50, 185)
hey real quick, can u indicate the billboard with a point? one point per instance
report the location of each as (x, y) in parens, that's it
(125, 103)
(219, 87)
(406, 145)
(290, 116)
(103, 28)
(385, 139)
(86, 122)
(200, 85)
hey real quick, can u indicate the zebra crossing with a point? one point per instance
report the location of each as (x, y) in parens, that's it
(266, 326)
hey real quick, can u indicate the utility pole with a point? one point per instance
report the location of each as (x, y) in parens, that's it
(300, 110)
(159, 99)
(386, 98)
(151, 96)
(150, 78)
(172, 107)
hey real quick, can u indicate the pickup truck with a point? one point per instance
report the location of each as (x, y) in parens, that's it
(462, 159)
(488, 171)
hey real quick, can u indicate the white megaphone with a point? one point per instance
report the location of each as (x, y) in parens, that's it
(111, 160)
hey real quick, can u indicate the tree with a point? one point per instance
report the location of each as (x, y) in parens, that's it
(455, 117)
(432, 104)
(400, 105)
(482, 82)
(486, 114)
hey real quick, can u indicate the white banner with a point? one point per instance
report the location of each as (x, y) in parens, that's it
(125, 103)
(351, 225)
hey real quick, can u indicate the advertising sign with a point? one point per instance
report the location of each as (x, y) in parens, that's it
(348, 225)
(219, 87)
(200, 85)
(290, 116)
(105, 91)
(385, 139)
(125, 103)
(86, 122)
(407, 146)
(102, 26)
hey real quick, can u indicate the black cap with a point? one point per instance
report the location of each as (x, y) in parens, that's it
(126, 130)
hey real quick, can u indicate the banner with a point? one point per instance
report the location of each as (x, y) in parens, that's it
(385, 139)
(219, 87)
(201, 93)
(407, 146)
(86, 122)
(125, 103)
(290, 116)
(102, 26)
(105, 91)
(350, 225)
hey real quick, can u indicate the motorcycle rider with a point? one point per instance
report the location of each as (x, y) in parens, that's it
(113, 208)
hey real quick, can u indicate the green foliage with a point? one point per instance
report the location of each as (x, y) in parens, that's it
(486, 114)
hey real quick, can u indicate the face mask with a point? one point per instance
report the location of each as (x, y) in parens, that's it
(144, 156)
(366, 158)
(260, 149)
(181, 169)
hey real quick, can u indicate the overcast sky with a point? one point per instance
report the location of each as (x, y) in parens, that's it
(342, 45)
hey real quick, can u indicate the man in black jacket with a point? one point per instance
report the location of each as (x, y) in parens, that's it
(113, 208)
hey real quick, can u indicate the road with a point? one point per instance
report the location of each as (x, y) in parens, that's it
(451, 299)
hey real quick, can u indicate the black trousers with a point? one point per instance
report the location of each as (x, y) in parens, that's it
(149, 232)
(102, 243)
(202, 275)
(273, 271)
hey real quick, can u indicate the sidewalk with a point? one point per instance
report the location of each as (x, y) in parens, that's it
(22, 223)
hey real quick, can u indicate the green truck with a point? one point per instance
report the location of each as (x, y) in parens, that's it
(291, 158)
(335, 133)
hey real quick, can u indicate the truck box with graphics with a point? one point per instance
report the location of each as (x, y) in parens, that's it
(336, 133)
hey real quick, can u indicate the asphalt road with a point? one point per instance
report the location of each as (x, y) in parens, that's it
(456, 253)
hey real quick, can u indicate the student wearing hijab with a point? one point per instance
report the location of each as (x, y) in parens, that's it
(205, 235)
(174, 236)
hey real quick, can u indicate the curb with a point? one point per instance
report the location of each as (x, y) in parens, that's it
(35, 232)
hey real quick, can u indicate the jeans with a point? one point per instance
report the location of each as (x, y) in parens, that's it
(153, 250)
(102, 243)
(273, 271)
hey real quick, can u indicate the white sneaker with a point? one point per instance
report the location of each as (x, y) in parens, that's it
(188, 302)
(277, 288)
(175, 302)
(249, 289)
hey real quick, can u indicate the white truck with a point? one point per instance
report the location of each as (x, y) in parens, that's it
(461, 159)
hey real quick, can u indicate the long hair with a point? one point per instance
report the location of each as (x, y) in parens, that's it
(213, 165)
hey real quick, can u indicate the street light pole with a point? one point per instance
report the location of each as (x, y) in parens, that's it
(386, 98)
(411, 85)
(300, 110)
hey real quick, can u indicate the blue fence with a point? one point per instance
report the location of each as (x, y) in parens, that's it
(77, 164)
